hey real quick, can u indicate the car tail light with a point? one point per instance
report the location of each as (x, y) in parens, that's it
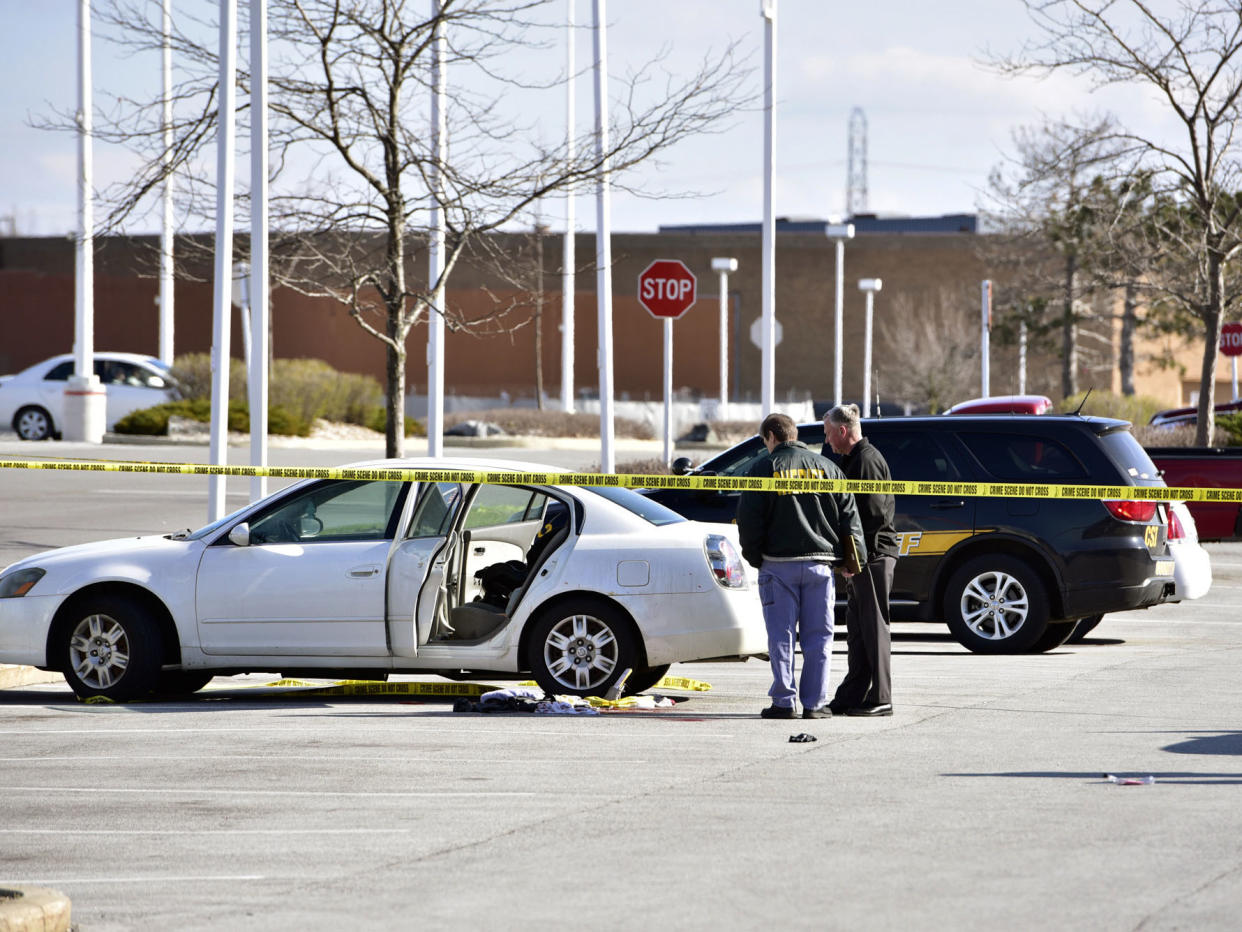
(725, 561)
(1131, 510)
(1176, 531)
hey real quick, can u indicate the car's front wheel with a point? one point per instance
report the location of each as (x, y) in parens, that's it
(996, 604)
(580, 647)
(33, 423)
(111, 648)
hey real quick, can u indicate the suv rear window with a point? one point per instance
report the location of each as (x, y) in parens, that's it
(1023, 458)
(1128, 453)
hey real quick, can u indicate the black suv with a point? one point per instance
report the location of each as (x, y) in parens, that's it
(1008, 575)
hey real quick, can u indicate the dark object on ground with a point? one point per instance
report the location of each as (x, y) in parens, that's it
(801, 738)
(699, 433)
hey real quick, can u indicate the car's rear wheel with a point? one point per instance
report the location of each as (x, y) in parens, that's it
(642, 680)
(580, 647)
(181, 682)
(1056, 634)
(33, 423)
(996, 604)
(112, 648)
(1083, 627)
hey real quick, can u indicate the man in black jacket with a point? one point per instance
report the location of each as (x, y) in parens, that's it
(867, 687)
(794, 538)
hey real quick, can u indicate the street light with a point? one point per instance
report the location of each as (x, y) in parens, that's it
(868, 286)
(724, 266)
(839, 233)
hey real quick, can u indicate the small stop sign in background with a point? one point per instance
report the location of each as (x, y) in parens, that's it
(1231, 339)
(666, 288)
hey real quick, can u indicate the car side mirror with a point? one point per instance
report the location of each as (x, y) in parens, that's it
(240, 535)
(682, 466)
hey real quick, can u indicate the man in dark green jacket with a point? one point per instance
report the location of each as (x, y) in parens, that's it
(867, 687)
(794, 538)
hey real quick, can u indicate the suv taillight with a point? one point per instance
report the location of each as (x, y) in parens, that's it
(725, 561)
(1129, 510)
(1176, 531)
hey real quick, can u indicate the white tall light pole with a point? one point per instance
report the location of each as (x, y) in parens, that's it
(723, 266)
(869, 286)
(567, 257)
(603, 242)
(839, 233)
(166, 226)
(767, 342)
(260, 309)
(435, 255)
(1022, 359)
(222, 303)
(985, 328)
(85, 401)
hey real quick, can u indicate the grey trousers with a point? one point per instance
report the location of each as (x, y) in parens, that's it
(867, 678)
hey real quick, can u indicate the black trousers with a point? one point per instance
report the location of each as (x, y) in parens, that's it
(868, 680)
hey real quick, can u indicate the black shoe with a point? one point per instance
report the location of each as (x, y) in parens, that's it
(871, 711)
(779, 711)
(837, 708)
(822, 712)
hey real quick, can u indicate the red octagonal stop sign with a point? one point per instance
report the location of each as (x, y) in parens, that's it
(666, 288)
(1231, 339)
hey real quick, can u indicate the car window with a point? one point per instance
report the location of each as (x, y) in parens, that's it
(1023, 458)
(915, 456)
(1125, 450)
(60, 372)
(738, 461)
(436, 508)
(647, 509)
(331, 511)
(494, 505)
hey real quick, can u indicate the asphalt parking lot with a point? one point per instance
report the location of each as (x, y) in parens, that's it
(979, 804)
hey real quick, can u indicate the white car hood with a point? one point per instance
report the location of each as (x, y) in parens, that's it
(118, 548)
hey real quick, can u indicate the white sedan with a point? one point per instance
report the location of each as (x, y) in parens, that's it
(336, 577)
(33, 401)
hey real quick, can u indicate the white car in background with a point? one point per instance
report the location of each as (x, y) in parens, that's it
(1192, 567)
(370, 577)
(32, 402)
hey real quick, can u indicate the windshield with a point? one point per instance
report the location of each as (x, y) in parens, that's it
(1129, 454)
(650, 511)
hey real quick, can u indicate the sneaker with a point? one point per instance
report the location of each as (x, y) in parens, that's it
(779, 711)
(822, 712)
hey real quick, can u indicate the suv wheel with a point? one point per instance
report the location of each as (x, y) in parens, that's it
(996, 604)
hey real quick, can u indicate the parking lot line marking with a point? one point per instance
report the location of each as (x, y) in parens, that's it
(198, 791)
(646, 735)
(278, 758)
(59, 881)
(205, 831)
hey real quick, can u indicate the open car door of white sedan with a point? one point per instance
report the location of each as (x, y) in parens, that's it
(304, 577)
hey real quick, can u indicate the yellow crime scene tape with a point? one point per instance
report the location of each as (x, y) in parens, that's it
(638, 481)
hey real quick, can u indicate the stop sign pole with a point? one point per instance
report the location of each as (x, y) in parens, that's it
(666, 288)
(1231, 346)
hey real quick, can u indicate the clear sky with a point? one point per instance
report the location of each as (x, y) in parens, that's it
(938, 121)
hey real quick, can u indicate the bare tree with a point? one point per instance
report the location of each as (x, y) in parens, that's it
(351, 194)
(1048, 200)
(1190, 58)
(933, 348)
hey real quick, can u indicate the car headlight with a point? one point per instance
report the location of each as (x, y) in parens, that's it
(725, 561)
(16, 585)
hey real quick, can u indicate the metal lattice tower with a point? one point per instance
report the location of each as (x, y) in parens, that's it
(856, 178)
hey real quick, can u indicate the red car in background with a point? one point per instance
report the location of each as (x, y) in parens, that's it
(1004, 404)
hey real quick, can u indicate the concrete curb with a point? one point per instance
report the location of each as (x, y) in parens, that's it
(33, 909)
(12, 676)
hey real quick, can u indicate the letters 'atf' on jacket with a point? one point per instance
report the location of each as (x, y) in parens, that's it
(797, 525)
